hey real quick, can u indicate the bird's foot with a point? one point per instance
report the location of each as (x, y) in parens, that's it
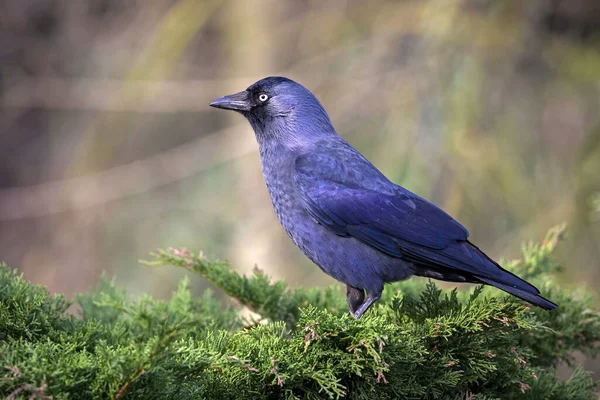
(355, 298)
(371, 298)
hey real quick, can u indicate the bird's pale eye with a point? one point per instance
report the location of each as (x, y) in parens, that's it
(263, 97)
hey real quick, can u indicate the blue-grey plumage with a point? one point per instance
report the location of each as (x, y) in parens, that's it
(344, 214)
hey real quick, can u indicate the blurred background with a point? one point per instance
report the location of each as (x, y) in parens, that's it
(108, 149)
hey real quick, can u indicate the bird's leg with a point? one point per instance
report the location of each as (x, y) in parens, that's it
(355, 297)
(371, 298)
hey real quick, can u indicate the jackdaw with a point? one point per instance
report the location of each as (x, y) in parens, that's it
(344, 214)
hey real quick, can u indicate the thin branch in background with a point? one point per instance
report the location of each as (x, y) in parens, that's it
(124, 180)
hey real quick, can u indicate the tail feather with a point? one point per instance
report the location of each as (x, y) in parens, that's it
(533, 298)
(462, 261)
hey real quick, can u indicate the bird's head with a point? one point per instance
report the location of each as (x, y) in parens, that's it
(279, 109)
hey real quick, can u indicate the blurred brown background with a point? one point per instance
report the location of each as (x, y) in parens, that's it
(108, 149)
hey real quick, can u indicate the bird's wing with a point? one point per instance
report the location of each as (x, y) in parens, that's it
(350, 197)
(378, 213)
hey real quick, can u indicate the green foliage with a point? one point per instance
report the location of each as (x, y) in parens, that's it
(418, 342)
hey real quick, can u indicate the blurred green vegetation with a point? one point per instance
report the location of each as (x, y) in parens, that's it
(487, 108)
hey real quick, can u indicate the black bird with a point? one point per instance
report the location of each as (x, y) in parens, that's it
(344, 214)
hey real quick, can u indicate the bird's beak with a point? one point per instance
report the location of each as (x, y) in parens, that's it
(237, 102)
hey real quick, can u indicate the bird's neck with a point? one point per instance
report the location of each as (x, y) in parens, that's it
(292, 135)
(278, 152)
(274, 151)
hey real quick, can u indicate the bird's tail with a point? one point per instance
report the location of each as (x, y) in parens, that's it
(533, 298)
(509, 282)
(463, 261)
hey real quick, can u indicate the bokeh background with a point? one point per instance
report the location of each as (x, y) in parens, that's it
(108, 150)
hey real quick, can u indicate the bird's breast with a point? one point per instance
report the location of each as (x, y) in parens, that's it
(278, 170)
(284, 196)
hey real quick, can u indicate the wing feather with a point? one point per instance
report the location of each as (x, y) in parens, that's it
(360, 202)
